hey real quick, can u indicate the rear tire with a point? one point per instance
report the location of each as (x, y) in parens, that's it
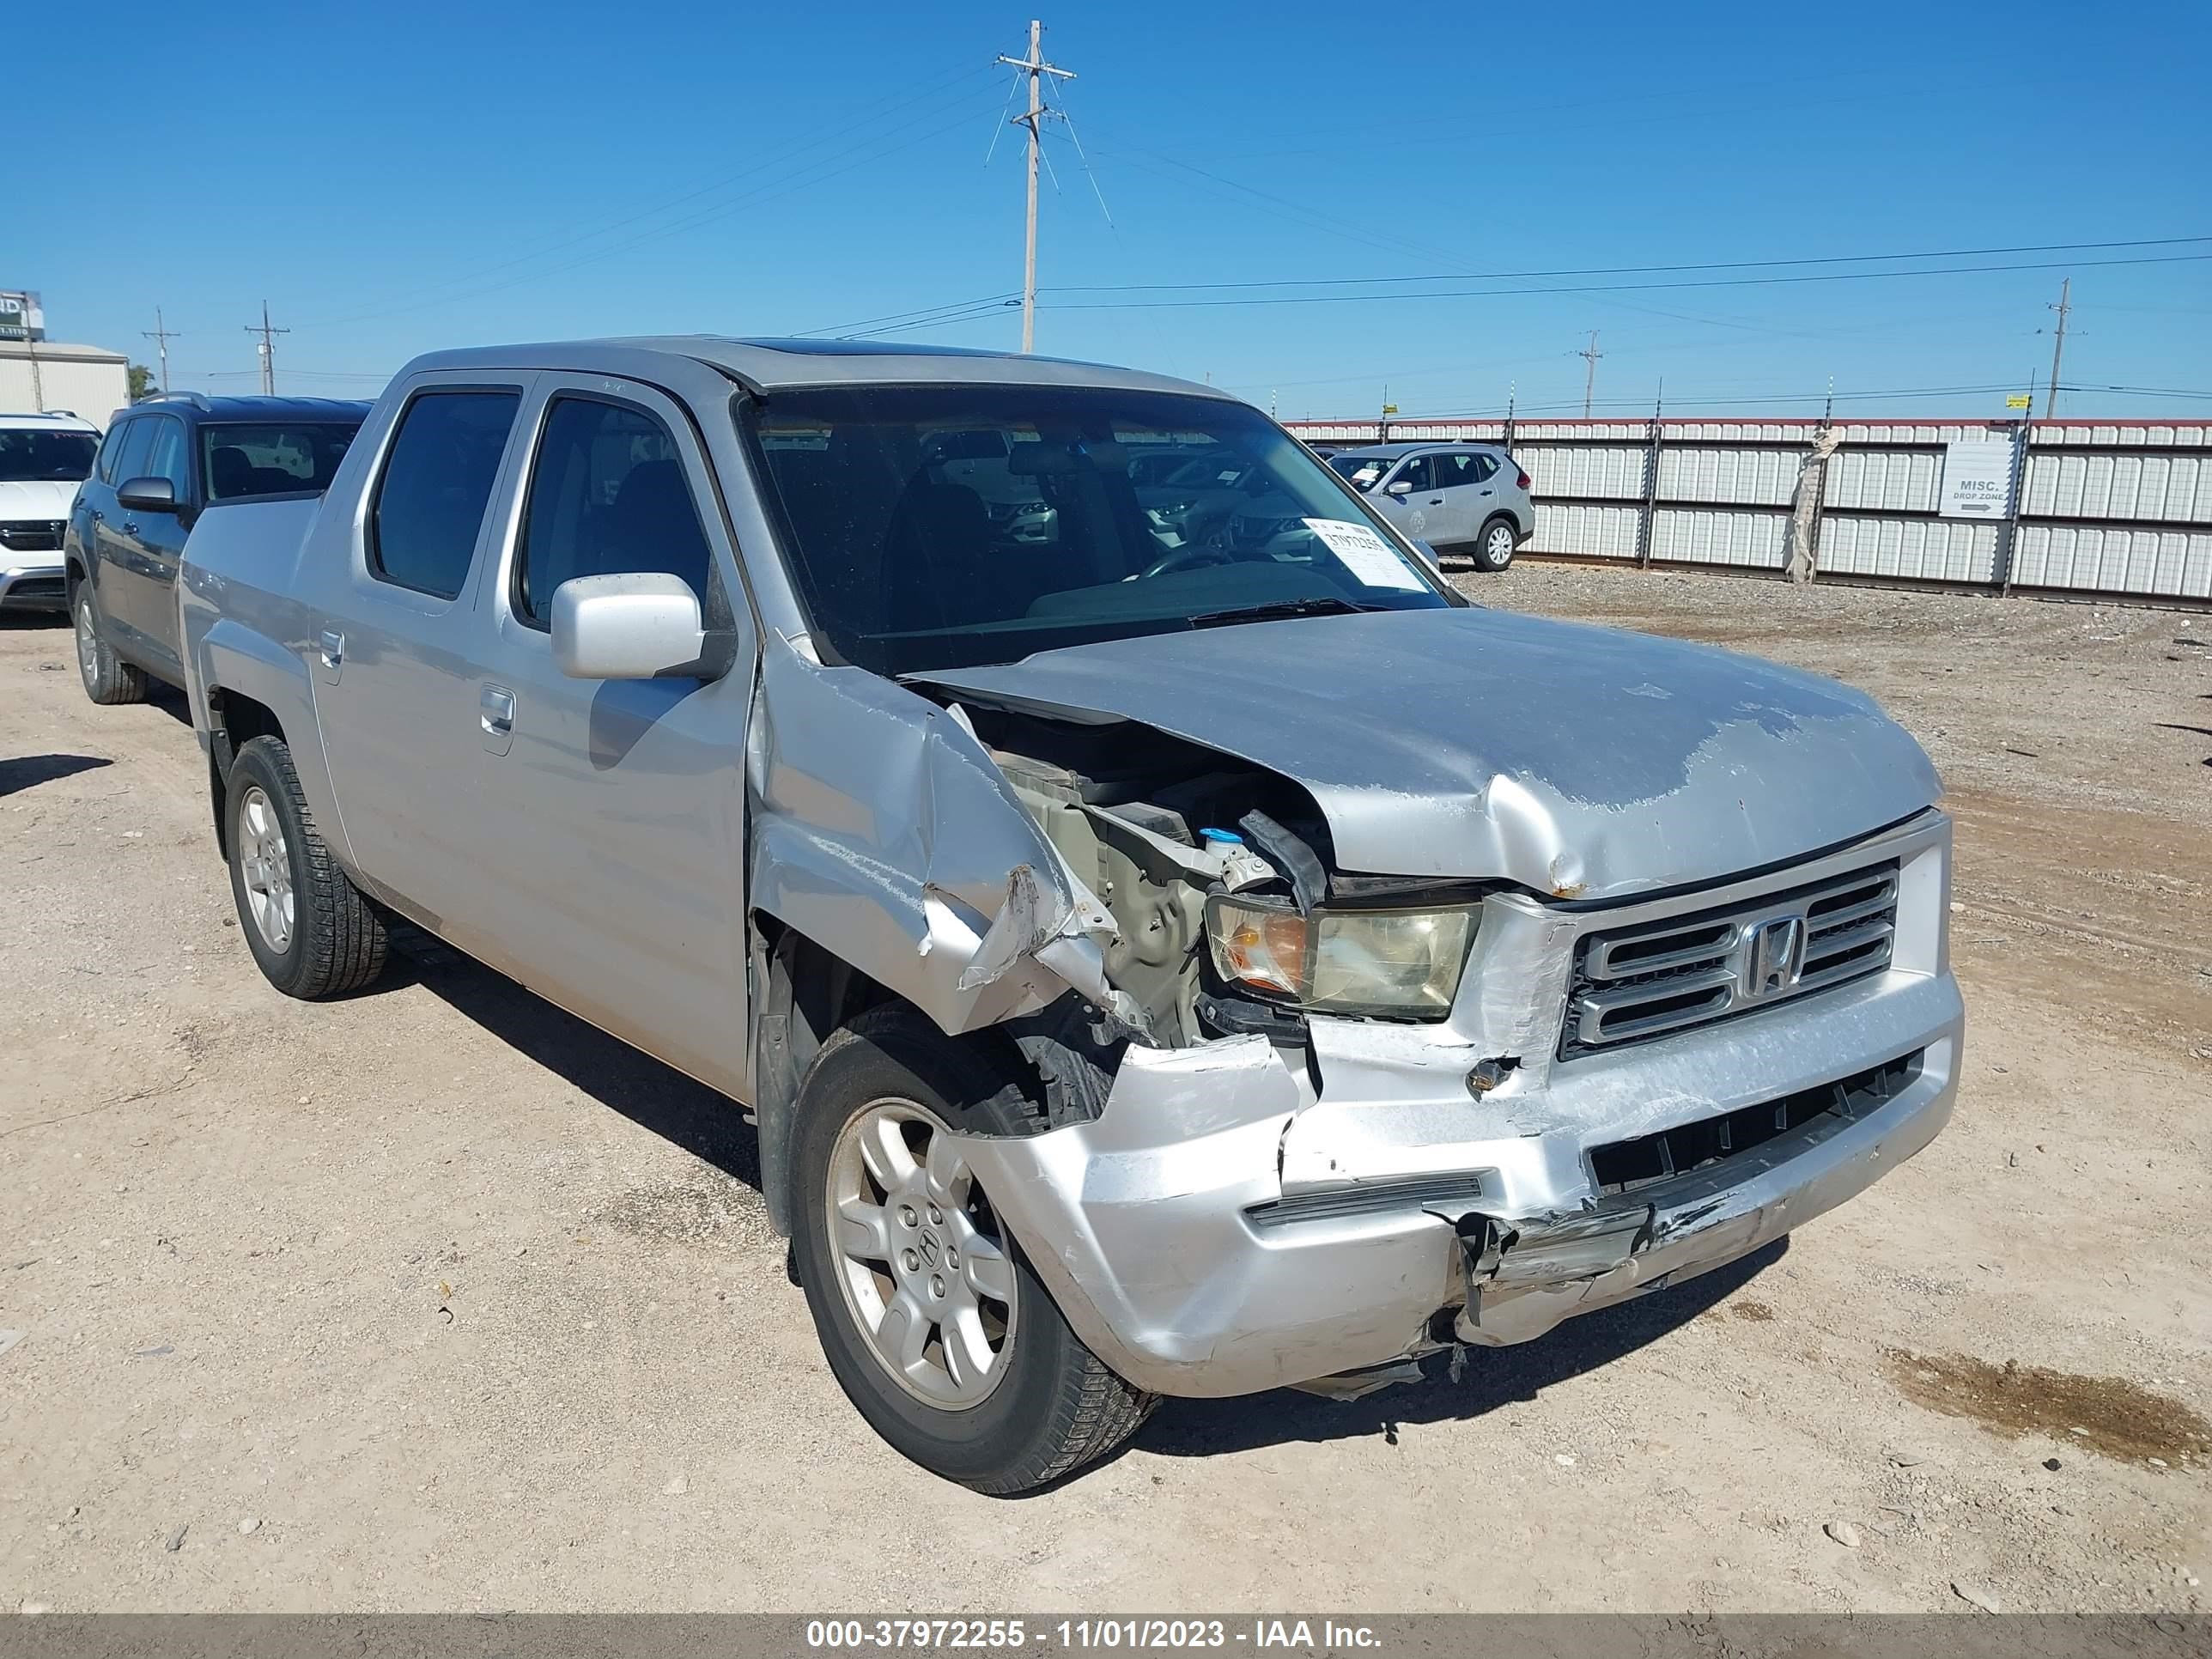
(107, 677)
(1029, 1403)
(308, 927)
(1494, 547)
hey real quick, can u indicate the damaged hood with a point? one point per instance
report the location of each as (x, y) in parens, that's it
(1582, 762)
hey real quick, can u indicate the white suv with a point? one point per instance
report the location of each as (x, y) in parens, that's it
(43, 460)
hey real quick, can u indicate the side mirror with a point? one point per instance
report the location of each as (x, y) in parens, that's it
(1399, 487)
(147, 494)
(632, 627)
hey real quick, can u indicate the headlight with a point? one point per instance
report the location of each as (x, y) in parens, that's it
(1405, 962)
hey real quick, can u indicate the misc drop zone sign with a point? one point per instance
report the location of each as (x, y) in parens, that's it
(1977, 478)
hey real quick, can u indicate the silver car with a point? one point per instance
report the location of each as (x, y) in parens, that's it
(1155, 965)
(1470, 497)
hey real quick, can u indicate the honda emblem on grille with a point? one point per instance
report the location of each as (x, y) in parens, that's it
(1774, 957)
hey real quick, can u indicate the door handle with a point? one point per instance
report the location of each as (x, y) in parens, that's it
(1436, 501)
(98, 516)
(130, 527)
(495, 709)
(333, 646)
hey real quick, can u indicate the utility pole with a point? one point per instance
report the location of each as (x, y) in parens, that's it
(268, 350)
(38, 384)
(1033, 119)
(2058, 346)
(1589, 355)
(161, 334)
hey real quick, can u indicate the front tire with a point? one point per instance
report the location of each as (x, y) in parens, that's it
(931, 1318)
(107, 678)
(1494, 548)
(308, 927)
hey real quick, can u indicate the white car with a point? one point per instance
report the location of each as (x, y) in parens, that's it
(43, 460)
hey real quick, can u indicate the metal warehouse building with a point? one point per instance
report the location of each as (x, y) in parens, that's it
(44, 374)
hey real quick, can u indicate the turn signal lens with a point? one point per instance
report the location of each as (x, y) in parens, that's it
(1262, 948)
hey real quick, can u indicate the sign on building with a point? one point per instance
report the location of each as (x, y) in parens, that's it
(1977, 478)
(22, 317)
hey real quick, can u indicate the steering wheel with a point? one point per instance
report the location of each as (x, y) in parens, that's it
(1189, 557)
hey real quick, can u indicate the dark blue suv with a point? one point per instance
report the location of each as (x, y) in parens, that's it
(162, 463)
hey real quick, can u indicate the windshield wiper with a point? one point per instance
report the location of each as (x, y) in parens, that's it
(1323, 605)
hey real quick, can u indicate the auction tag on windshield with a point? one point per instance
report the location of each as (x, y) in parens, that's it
(1366, 554)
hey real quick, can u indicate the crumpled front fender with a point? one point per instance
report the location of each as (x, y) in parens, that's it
(882, 831)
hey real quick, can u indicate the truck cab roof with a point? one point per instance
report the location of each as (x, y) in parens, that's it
(766, 366)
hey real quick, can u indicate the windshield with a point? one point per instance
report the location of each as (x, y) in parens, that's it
(272, 459)
(931, 527)
(1362, 469)
(63, 457)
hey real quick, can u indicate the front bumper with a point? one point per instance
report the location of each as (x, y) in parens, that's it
(1222, 1228)
(32, 582)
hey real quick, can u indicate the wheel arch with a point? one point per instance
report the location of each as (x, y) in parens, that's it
(234, 719)
(245, 685)
(805, 993)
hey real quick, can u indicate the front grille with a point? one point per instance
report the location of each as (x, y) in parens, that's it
(1625, 1166)
(32, 536)
(1660, 977)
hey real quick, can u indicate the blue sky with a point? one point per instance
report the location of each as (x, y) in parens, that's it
(401, 178)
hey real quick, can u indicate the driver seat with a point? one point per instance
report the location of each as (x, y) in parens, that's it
(936, 558)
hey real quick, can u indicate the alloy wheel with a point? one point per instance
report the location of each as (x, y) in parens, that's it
(265, 861)
(87, 643)
(924, 1268)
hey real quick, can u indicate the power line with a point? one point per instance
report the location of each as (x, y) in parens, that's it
(1729, 400)
(1724, 399)
(1623, 287)
(902, 319)
(1297, 213)
(2141, 391)
(1638, 271)
(975, 316)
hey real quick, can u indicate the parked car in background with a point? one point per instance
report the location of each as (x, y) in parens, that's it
(1155, 966)
(164, 462)
(1471, 498)
(43, 460)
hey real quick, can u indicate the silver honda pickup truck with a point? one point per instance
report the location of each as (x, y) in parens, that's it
(1156, 963)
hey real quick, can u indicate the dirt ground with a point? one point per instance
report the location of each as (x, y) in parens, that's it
(438, 1299)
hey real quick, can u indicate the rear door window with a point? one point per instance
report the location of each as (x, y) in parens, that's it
(607, 496)
(1463, 467)
(437, 481)
(274, 459)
